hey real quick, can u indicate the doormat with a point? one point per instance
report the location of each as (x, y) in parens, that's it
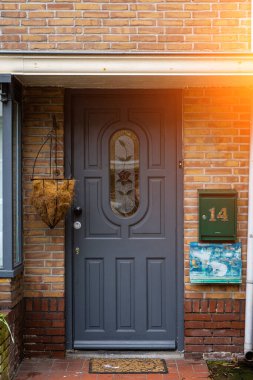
(127, 366)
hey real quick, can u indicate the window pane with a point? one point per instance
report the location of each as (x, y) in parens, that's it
(1, 184)
(124, 173)
(16, 205)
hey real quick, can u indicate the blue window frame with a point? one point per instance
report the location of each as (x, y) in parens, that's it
(10, 177)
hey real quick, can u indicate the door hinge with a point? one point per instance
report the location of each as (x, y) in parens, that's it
(181, 164)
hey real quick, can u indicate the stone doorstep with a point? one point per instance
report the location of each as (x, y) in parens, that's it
(167, 355)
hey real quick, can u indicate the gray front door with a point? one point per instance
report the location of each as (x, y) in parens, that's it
(124, 272)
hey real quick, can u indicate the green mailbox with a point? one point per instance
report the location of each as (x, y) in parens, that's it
(217, 215)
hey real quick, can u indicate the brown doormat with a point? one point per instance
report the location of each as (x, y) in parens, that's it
(127, 366)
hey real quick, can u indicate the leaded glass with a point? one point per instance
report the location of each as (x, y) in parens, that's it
(124, 173)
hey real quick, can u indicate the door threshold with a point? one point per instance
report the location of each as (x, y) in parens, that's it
(167, 355)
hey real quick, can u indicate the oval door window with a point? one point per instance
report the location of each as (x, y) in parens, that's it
(124, 173)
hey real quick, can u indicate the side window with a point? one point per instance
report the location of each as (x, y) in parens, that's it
(1, 185)
(10, 178)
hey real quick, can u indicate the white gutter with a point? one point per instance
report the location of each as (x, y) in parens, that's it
(129, 71)
(248, 340)
(126, 65)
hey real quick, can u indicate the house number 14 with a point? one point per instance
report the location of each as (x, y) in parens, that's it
(222, 215)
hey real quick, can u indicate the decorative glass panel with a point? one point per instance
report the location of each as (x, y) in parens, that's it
(124, 173)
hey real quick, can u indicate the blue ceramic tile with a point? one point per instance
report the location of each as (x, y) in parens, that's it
(215, 263)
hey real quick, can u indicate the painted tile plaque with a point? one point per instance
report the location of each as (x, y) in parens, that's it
(215, 263)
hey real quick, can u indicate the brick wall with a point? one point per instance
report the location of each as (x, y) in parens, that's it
(44, 332)
(148, 25)
(216, 151)
(11, 291)
(43, 248)
(214, 325)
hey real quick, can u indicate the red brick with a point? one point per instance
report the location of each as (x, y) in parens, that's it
(228, 332)
(195, 306)
(194, 324)
(218, 340)
(220, 306)
(228, 306)
(53, 304)
(204, 306)
(198, 317)
(199, 348)
(194, 340)
(188, 306)
(226, 317)
(61, 305)
(200, 332)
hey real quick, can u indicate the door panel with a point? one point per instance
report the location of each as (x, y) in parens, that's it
(125, 294)
(152, 222)
(97, 224)
(124, 277)
(93, 294)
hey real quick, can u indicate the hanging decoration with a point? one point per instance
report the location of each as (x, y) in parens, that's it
(52, 194)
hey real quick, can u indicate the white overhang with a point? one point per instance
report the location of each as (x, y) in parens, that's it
(129, 71)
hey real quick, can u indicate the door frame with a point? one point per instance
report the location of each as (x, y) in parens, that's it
(68, 160)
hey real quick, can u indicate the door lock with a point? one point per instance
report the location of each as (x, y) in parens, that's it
(77, 225)
(77, 250)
